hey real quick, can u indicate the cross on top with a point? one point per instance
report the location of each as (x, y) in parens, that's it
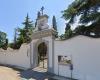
(42, 9)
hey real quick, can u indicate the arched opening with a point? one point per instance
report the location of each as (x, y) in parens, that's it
(42, 55)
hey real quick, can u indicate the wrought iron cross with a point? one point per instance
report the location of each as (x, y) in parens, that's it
(42, 10)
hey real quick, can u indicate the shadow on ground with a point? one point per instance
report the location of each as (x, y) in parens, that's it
(30, 74)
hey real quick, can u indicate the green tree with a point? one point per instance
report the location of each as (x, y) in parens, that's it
(68, 32)
(88, 9)
(54, 24)
(5, 46)
(38, 16)
(3, 40)
(26, 32)
(62, 36)
(23, 35)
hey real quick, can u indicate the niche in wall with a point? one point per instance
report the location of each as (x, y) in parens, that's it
(64, 60)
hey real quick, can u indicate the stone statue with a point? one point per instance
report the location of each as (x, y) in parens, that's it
(42, 21)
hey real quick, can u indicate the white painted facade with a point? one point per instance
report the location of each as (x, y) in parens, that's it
(85, 52)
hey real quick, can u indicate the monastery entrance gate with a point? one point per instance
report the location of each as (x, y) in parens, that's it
(42, 45)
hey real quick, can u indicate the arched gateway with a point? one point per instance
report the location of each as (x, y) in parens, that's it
(42, 55)
(42, 45)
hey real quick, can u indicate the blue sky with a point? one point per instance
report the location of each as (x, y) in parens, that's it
(13, 13)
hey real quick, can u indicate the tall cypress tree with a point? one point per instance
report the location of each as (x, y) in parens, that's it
(54, 23)
(38, 16)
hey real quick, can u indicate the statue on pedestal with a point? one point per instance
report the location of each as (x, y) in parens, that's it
(42, 21)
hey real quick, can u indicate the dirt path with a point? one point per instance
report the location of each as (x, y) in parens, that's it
(8, 74)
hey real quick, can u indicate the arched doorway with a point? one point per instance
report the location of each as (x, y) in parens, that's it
(42, 55)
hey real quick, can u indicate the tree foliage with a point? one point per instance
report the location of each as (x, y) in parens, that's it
(68, 33)
(26, 32)
(23, 34)
(89, 10)
(3, 40)
(54, 24)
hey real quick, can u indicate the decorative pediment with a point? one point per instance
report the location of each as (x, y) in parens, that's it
(43, 33)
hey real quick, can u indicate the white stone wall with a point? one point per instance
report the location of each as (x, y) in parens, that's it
(85, 52)
(19, 58)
